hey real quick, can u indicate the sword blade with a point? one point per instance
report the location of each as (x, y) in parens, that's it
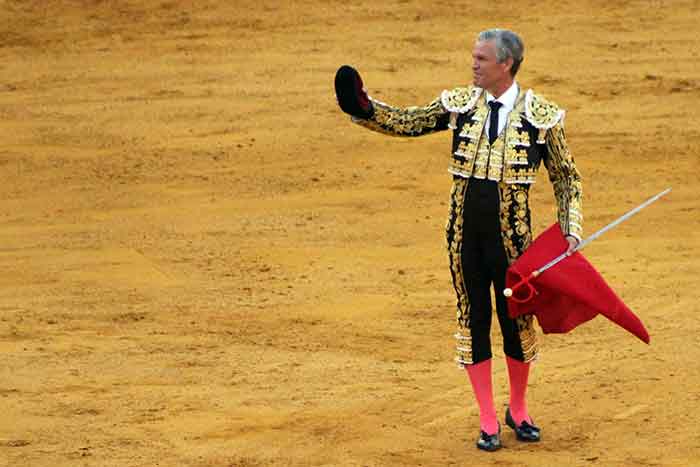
(621, 219)
(600, 232)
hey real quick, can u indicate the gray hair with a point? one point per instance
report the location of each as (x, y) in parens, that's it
(508, 44)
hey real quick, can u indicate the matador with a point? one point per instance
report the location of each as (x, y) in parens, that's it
(501, 134)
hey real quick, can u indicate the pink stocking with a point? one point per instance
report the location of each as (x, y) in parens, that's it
(480, 377)
(517, 375)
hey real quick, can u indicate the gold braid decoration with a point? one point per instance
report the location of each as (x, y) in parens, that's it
(516, 234)
(528, 337)
(507, 228)
(460, 100)
(542, 113)
(409, 121)
(566, 182)
(453, 230)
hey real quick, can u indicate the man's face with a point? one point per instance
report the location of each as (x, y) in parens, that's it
(488, 73)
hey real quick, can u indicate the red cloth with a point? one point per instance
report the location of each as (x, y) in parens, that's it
(567, 294)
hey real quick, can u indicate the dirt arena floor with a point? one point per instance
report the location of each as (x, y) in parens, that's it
(204, 263)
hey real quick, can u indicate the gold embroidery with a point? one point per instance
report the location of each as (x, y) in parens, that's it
(515, 223)
(517, 176)
(464, 150)
(517, 138)
(482, 160)
(528, 337)
(522, 218)
(515, 156)
(517, 168)
(460, 100)
(542, 113)
(464, 348)
(411, 121)
(566, 182)
(474, 129)
(506, 159)
(507, 230)
(454, 250)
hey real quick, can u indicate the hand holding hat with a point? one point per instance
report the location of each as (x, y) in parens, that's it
(351, 95)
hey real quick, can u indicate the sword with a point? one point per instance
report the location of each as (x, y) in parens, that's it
(508, 292)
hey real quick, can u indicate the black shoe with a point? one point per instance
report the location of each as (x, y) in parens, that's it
(524, 432)
(487, 442)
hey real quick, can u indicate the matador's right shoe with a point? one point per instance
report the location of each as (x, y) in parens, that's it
(487, 442)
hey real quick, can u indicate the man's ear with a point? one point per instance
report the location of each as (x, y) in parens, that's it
(508, 65)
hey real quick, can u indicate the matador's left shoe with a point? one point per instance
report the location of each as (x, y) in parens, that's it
(525, 431)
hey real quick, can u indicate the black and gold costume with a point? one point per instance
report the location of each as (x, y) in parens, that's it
(502, 170)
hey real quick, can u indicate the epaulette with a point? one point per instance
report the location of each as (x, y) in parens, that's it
(542, 113)
(460, 100)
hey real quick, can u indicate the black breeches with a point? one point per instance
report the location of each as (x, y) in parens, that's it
(484, 263)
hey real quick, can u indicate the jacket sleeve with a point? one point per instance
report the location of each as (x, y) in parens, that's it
(566, 182)
(409, 121)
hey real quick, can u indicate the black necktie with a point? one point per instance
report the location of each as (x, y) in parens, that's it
(493, 120)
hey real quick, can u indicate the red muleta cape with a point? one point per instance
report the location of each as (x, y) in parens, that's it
(567, 294)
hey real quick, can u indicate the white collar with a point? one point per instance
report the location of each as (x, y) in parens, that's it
(508, 98)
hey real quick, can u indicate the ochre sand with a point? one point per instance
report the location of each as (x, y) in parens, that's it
(204, 263)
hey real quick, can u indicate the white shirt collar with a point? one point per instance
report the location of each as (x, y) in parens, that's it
(508, 98)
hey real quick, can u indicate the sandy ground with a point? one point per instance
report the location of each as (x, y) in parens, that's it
(203, 263)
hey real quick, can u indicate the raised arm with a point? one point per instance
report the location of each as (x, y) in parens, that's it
(409, 121)
(378, 116)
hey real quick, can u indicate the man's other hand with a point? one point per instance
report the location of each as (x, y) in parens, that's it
(573, 243)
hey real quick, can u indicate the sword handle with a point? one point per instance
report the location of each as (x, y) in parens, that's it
(512, 292)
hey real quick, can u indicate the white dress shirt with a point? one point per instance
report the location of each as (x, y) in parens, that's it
(508, 99)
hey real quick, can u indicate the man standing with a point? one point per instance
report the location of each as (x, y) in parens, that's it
(501, 135)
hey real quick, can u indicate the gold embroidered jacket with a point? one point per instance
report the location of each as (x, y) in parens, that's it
(533, 134)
